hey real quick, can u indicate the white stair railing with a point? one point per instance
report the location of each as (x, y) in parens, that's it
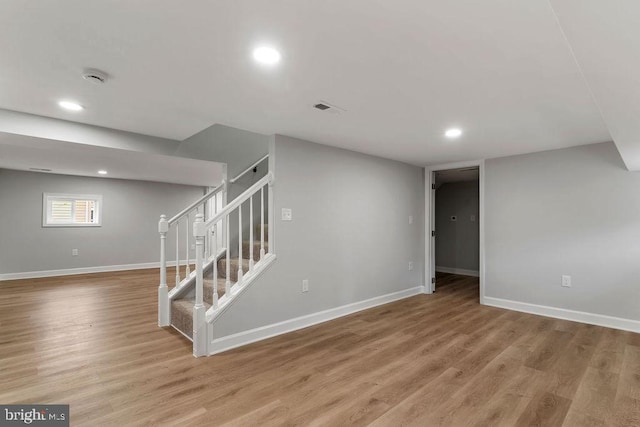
(207, 206)
(221, 220)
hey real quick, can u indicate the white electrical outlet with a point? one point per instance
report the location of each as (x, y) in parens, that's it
(410, 219)
(287, 215)
(566, 281)
(305, 285)
(410, 265)
(473, 218)
(74, 252)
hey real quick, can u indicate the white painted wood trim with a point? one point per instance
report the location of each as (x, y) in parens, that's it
(428, 202)
(429, 211)
(483, 284)
(188, 281)
(81, 270)
(45, 209)
(247, 337)
(182, 333)
(460, 271)
(565, 314)
(271, 201)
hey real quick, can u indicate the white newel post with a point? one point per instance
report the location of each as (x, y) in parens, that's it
(199, 322)
(163, 290)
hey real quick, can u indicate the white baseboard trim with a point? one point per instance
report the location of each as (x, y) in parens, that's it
(247, 337)
(82, 270)
(460, 271)
(561, 313)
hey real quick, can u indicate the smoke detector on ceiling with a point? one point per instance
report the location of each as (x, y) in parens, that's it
(95, 76)
(328, 108)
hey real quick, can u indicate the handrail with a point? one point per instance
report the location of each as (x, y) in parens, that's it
(248, 169)
(239, 200)
(195, 204)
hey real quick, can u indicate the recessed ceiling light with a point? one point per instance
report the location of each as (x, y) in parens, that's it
(71, 106)
(102, 172)
(266, 55)
(453, 133)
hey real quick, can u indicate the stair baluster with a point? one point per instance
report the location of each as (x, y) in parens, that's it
(215, 269)
(207, 243)
(251, 233)
(185, 307)
(261, 223)
(227, 285)
(177, 254)
(240, 273)
(187, 269)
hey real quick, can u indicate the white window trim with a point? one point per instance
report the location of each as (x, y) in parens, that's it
(46, 213)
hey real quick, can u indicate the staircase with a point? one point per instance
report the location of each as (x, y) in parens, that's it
(182, 306)
(226, 264)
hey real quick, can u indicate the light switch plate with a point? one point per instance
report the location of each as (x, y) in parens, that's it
(287, 215)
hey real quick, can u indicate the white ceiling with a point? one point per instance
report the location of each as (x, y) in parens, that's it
(404, 70)
(605, 37)
(68, 158)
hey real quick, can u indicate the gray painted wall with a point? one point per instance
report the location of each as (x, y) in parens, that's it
(457, 242)
(574, 211)
(350, 234)
(129, 232)
(239, 149)
(235, 147)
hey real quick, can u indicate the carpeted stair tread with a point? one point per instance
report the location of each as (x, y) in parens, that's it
(182, 309)
(246, 245)
(182, 315)
(257, 232)
(207, 288)
(222, 268)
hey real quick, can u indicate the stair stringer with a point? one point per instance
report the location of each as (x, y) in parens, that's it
(213, 314)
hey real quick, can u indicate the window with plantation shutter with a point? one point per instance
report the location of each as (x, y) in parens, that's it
(71, 210)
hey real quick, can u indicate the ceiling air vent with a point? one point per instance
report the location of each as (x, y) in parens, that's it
(329, 108)
(95, 76)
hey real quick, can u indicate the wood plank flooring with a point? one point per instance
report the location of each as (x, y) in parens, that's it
(92, 341)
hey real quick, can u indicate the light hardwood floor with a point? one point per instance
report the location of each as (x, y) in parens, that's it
(92, 341)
